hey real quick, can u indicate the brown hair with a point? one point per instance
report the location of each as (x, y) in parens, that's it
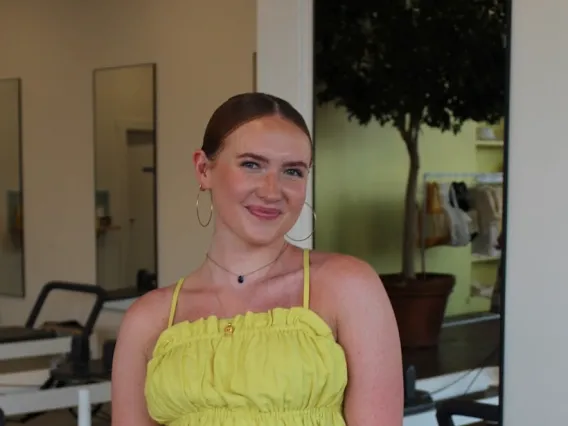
(241, 109)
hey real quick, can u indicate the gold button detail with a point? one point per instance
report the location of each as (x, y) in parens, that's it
(229, 329)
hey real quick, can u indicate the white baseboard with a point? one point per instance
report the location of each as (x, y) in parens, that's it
(119, 305)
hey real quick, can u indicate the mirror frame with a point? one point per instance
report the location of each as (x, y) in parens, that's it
(23, 292)
(129, 291)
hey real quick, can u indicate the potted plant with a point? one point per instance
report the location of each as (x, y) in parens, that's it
(410, 64)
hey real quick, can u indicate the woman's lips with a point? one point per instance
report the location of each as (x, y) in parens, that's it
(264, 213)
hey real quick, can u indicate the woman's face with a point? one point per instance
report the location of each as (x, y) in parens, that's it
(258, 180)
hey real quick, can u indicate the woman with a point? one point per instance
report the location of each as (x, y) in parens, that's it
(263, 332)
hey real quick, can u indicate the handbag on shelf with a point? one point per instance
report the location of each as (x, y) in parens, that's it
(462, 197)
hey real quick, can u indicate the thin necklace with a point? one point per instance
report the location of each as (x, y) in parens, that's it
(241, 277)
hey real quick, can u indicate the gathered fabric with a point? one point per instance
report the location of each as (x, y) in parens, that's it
(277, 368)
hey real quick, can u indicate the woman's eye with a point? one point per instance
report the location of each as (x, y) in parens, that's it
(294, 172)
(250, 165)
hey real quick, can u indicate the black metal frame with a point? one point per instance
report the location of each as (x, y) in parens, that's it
(99, 293)
(20, 188)
(445, 410)
(86, 330)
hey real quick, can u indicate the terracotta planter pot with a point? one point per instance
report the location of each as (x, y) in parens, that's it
(419, 306)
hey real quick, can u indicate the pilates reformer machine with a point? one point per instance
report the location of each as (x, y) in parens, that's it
(476, 411)
(50, 338)
(57, 387)
(78, 384)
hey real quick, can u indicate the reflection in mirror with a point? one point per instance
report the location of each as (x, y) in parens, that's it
(125, 179)
(11, 208)
(411, 95)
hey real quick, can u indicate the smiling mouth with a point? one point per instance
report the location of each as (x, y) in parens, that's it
(264, 213)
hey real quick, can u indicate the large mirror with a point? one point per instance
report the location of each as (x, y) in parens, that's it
(125, 177)
(409, 124)
(11, 207)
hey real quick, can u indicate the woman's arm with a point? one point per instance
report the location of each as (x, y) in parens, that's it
(367, 330)
(129, 367)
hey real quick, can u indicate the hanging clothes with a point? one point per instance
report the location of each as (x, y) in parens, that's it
(464, 202)
(459, 220)
(488, 204)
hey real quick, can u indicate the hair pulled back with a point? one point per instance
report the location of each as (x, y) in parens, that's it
(244, 108)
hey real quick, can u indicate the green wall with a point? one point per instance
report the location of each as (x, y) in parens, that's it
(360, 177)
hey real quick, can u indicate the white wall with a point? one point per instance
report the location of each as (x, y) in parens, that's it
(203, 52)
(536, 294)
(11, 279)
(284, 68)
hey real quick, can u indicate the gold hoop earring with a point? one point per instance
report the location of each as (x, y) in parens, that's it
(197, 209)
(313, 225)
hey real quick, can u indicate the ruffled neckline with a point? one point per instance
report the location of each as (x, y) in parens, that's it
(297, 317)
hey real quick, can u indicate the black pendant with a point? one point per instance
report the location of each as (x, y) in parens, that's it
(241, 279)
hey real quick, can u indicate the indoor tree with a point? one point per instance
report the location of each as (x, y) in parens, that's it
(412, 63)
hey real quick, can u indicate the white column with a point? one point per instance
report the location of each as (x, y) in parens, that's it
(285, 69)
(536, 291)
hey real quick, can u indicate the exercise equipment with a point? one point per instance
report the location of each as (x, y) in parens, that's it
(477, 411)
(415, 400)
(146, 281)
(51, 338)
(438, 408)
(78, 383)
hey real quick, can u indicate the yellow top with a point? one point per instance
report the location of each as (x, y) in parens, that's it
(281, 367)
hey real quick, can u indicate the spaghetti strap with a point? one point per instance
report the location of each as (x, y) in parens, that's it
(307, 278)
(175, 297)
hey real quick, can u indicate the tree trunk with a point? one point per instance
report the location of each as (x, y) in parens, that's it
(410, 207)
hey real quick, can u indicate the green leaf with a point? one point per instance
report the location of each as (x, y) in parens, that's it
(442, 62)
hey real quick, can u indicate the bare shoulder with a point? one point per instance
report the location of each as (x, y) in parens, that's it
(344, 274)
(147, 317)
(345, 288)
(140, 327)
(367, 331)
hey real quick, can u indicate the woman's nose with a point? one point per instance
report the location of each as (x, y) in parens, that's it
(270, 188)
